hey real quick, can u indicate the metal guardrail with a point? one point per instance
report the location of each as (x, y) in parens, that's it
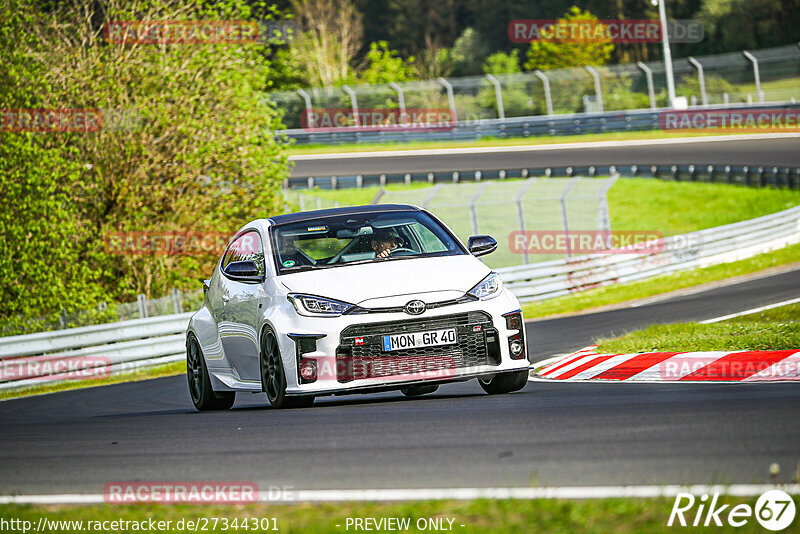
(532, 126)
(33, 359)
(98, 350)
(703, 248)
(718, 79)
(749, 175)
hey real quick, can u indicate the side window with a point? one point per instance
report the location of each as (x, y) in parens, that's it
(245, 247)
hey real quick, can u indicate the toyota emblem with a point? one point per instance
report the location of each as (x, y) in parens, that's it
(415, 307)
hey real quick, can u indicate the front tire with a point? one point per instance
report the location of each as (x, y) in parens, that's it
(203, 395)
(273, 377)
(505, 382)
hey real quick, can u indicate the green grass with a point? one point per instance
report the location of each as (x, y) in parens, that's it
(618, 293)
(775, 329)
(168, 369)
(513, 141)
(638, 203)
(681, 207)
(635, 204)
(501, 516)
(654, 205)
(774, 89)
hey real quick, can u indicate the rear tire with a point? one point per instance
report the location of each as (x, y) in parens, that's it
(505, 382)
(273, 377)
(203, 395)
(416, 391)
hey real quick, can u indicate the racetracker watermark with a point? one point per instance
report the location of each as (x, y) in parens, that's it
(173, 244)
(735, 367)
(42, 120)
(585, 242)
(192, 492)
(387, 367)
(603, 31)
(137, 32)
(47, 368)
(739, 120)
(774, 510)
(346, 119)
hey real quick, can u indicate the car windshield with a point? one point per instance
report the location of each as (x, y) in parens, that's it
(360, 238)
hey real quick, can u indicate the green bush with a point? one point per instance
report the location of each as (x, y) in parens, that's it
(199, 155)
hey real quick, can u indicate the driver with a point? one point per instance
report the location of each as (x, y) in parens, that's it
(384, 241)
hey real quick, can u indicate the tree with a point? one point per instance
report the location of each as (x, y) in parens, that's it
(562, 53)
(468, 53)
(502, 63)
(330, 38)
(383, 65)
(198, 150)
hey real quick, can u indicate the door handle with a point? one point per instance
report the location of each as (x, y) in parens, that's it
(225, 298)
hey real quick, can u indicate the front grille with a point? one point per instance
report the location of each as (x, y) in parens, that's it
(358, 310)
(417, 325)
(477, 344)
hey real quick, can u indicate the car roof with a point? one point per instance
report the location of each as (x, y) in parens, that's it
(352, 210)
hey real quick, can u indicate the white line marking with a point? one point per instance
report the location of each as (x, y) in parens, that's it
(536, 148)
(374, 495)
(751, 311)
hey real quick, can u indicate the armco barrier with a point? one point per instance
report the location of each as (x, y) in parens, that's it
(687, 251)
(117, 347)
(139, 343)
(749, 175)
(538, 125)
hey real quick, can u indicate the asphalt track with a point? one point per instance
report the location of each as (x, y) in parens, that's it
(560, 434)
(780, 150)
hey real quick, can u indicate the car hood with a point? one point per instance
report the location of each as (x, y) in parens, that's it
(447, 276)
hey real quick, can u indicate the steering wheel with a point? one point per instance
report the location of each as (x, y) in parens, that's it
(401, 249)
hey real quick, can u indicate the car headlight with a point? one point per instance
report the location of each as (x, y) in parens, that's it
(318, 306)
(487, 288)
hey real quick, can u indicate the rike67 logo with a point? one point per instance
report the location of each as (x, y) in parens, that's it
(774, 510)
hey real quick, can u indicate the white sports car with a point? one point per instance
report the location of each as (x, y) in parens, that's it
(352, 300)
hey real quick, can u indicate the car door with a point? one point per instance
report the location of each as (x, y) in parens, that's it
(239, 309)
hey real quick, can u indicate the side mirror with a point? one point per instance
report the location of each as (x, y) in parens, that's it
(478, 245)
(206, 284)
(243, 271)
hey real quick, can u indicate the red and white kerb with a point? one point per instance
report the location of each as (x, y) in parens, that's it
(724, 366)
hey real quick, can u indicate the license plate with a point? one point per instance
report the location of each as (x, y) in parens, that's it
(432, 338)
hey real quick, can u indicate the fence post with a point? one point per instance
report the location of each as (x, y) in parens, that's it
(521, 213)
(546, 83)
(309, 113)
(353, 103)
(433, 192)
(597, 90)
(603, 216)
(700, 78)
(450, 98)
(142, 305)
(177, 304)
(564, 219)
(473, 212)
(498, 95)
(401, 101)
(650, 90)
(756, 75)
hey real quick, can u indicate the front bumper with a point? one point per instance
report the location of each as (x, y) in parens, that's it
(347, 355)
